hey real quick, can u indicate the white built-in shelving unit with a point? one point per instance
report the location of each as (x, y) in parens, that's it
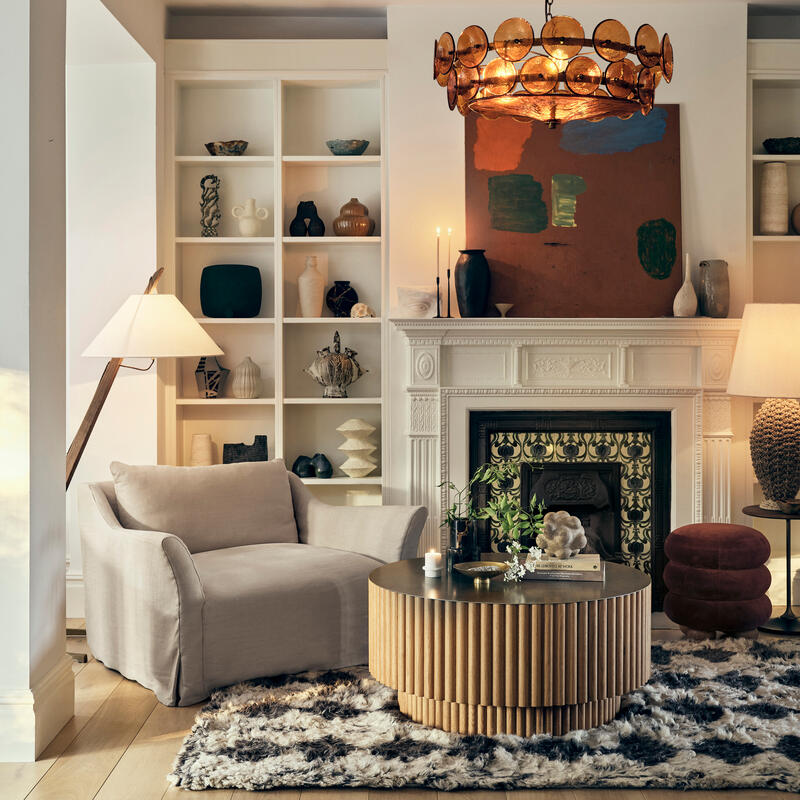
(286, 117)
(774, 112)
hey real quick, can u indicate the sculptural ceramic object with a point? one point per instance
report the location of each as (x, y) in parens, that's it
(416, 301)
(210, 376)
(322, 467)
(233, 147)
(311, 289)
(358, 448)
(472, 279)
(341, 298)
(685, 302)
(361, 311)
(347, 147)
(234, 453)
(774, 216)
(201, 452)
(209, 205)
(353, 220)
(246, 380)
(307, 221)
(230, 290)
(334, 369)
(249, 217)
(562, 535)
(715, 288)
(503, 308)
(303, 467)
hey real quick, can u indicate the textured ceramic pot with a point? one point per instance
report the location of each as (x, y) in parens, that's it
(715, 289)
(341, 298)
(246, 380)
(774, 219)
(473, 280)
(358, 448)
(334, 369)
(249, 217)
(201, 450)
(322, 467)
(353, 220)
(311, 288)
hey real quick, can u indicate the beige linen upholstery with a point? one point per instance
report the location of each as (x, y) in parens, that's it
(182, 624)
(227, 505)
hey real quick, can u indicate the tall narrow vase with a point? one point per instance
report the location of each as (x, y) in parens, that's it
(685, 302)
(472, 279)
(774, 220)
(311, 288)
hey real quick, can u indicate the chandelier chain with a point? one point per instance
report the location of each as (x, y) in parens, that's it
(548, 10)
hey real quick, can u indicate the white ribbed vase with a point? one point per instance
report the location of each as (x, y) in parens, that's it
(246, 380)
(774, 219)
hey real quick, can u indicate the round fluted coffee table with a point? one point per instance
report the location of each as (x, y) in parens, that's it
(520, 658)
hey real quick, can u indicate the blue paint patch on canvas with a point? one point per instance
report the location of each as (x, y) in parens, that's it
(613, 135)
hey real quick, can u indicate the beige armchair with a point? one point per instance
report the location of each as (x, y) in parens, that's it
(182, 623)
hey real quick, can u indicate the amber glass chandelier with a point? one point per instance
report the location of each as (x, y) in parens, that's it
(552, 78)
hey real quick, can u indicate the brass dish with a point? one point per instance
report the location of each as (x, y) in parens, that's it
(481, 572)
(789, 506)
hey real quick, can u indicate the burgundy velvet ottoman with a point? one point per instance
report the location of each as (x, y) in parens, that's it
(717, 579)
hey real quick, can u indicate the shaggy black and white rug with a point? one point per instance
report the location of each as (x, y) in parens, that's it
(722, 714)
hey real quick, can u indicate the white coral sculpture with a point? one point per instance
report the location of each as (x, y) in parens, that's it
(562, 535)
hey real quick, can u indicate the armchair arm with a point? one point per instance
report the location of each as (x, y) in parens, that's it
(385, 533)
(144, 602)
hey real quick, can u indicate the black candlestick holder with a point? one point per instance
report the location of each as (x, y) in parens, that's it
(449, 316)
(438, 300)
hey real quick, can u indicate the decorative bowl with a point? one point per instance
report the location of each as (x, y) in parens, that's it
(481, 572)
(789, 506)
(233, 147)
(787, 146)
(347, 147)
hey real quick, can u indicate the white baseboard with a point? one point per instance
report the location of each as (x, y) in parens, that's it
(30, 718)
(76, 605)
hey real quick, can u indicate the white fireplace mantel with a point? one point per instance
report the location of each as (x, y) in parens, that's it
(680, 365)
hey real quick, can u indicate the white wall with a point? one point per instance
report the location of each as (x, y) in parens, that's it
(36, 680)
(111, 242)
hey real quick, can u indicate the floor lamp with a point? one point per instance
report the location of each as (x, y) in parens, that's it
(148, 325)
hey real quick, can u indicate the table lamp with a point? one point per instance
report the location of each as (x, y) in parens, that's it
(147, 325)
(767, 364)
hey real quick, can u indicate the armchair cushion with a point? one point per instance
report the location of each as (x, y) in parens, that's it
(282, 608)
(228, 505)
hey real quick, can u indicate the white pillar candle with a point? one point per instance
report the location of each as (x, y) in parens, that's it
(433, 564)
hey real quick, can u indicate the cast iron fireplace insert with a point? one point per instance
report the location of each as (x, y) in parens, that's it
(610, 468)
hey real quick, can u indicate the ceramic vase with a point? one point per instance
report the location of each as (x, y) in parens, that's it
(311, 288)
(685, 302)
(303, 467)
(249, 217)
(209, 205)
(307, 221)
(201, 450)
(341, 298)
(322, 467)
(353, 220)
(246, 380)
(472, 279)
(210, 376)
(774, 220)
(358, 448)
(335, 370)
(715, 290)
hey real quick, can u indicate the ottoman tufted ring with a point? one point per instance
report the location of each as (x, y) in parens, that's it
(716, 578)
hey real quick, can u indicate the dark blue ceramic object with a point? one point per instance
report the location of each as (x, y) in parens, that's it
(322, 466)
(230, 290)
(303, 467)
(341, 297)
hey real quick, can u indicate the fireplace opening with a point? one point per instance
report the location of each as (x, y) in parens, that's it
(611, 469)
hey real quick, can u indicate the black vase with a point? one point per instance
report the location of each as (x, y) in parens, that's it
(322, 467)
(341, 298)
(463, 544)
(303, 467)
(307, 221)
(472, 279)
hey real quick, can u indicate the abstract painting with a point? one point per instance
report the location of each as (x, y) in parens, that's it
(580, 221)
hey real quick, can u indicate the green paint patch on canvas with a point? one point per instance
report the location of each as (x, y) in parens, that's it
(657, 247)
(515, 204)
(565, 190)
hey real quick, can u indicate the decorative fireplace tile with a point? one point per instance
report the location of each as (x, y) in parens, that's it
(633, 451)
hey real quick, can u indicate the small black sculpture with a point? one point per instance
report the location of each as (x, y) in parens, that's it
(235, 453)
(322, 466)
(230, 290)
(303, 467)
(307, 221)
(210, 376)
(341, 298)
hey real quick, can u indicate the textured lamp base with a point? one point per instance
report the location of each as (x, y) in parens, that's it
(775, 450)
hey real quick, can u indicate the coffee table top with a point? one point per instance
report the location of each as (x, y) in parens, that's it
(406, 577)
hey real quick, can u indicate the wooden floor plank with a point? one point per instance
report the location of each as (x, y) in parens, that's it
(408, 794)
(274, 794)
(207, 794)
(608, 794)
(142, 771)
(540, 794)
(88, 760)
(327, 794)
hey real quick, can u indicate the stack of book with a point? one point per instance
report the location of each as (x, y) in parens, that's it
(583, 567)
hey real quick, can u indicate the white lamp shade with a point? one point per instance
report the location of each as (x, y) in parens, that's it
(152, 326)
(767, 359)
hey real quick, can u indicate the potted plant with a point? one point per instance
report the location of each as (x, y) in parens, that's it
(510, 524)
(459, 518)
